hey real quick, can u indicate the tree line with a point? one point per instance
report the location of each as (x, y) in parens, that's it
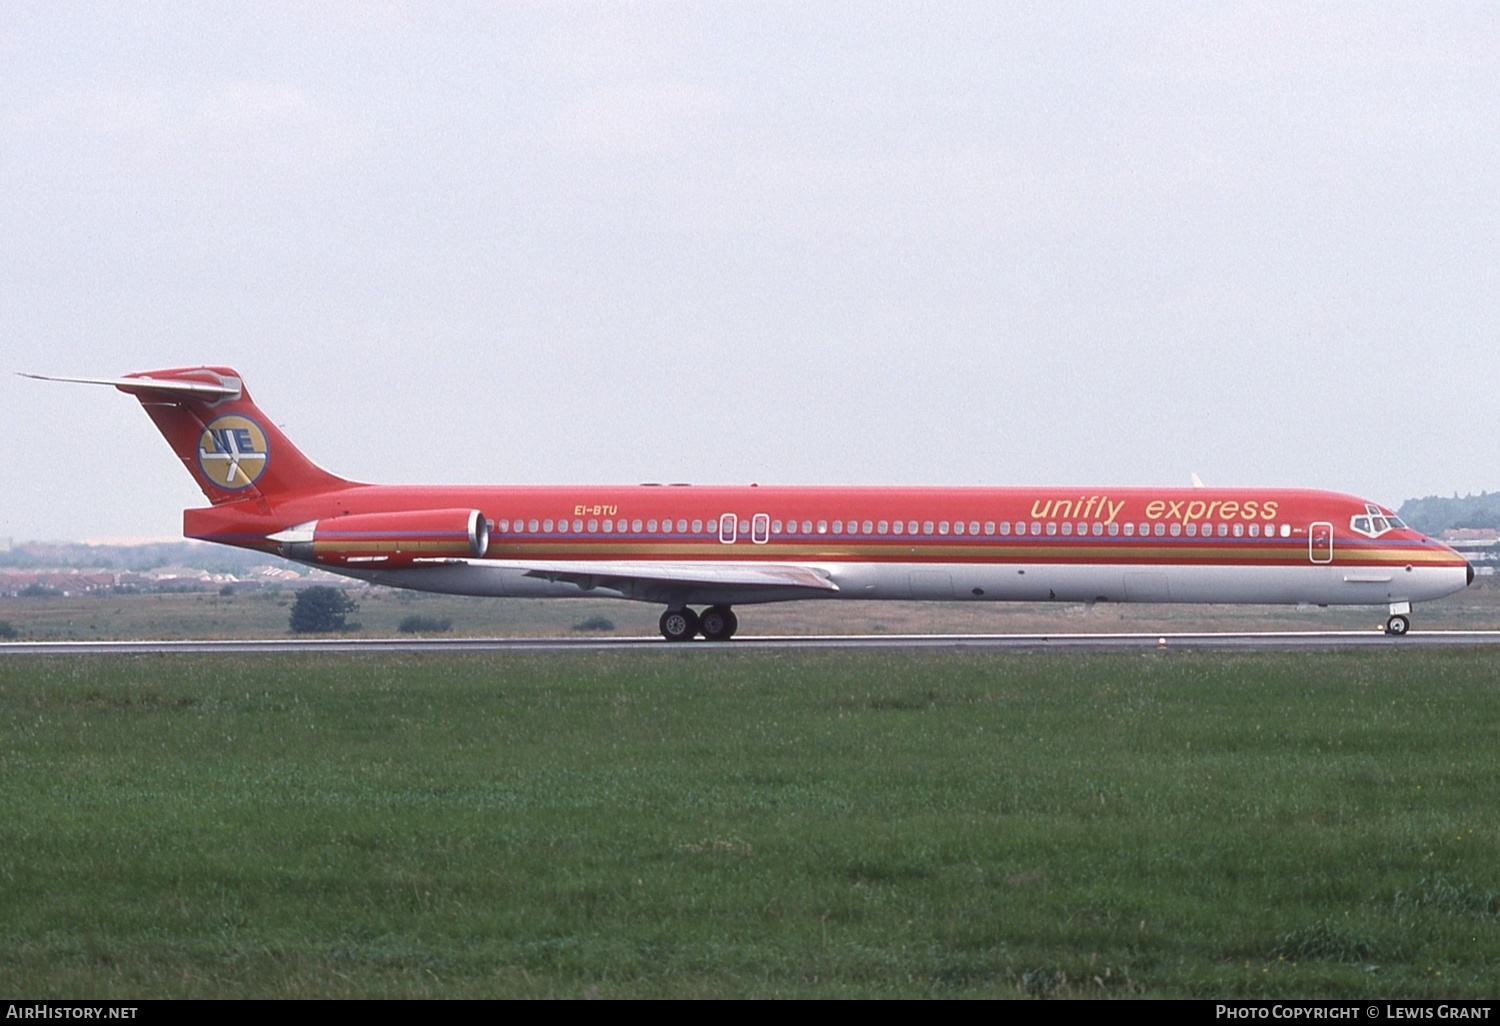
(1436, 514)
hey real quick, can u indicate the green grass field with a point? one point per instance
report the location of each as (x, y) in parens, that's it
(705, 822)
(107, 615)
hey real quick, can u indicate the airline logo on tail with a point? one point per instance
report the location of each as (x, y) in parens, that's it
(232, 452)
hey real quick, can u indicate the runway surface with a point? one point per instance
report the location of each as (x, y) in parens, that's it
(1257, 641)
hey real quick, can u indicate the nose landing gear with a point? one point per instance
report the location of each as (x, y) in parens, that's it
(717, 623)
(1400, 621)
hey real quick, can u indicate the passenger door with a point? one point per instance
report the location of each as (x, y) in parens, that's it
(1320, 542)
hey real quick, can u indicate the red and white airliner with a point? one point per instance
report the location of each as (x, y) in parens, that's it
(716, 547)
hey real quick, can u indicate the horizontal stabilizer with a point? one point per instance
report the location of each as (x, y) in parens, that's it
(225, 388)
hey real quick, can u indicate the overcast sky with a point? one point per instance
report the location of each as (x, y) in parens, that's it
(949, 243)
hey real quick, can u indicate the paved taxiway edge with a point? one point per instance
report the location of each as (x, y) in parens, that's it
(1246, 641)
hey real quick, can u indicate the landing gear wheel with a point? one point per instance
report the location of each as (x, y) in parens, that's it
(718, 623)
(1397, 626)
(679, 624)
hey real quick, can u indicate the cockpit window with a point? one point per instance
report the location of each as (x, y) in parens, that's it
(1375, 524)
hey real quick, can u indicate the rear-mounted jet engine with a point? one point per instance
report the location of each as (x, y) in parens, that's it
(387, 539)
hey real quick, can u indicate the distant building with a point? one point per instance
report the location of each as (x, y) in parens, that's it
(1480, 545)
(1475, 536)
(277, 573)
(176, 574)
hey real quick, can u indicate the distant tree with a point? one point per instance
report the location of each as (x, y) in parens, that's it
(1435, 514)
(425, 625)
(320, 610)
(38, 591)
(7, 629)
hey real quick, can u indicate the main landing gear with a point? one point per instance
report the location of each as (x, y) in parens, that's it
(716, 623)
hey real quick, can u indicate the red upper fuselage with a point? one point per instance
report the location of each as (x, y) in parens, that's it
(821, 524)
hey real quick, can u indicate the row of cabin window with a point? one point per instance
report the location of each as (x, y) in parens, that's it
(898, 527)
(606, 527)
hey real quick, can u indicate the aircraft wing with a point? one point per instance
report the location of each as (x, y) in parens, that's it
(618, 575)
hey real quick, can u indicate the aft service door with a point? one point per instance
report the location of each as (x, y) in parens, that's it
(1320, 542)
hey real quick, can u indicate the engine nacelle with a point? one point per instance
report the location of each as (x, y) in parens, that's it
(388, 539)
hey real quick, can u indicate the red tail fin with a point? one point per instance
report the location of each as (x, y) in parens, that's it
(232, 450)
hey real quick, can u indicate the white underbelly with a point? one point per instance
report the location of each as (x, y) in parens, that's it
(982, 582)
(1320, 585)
